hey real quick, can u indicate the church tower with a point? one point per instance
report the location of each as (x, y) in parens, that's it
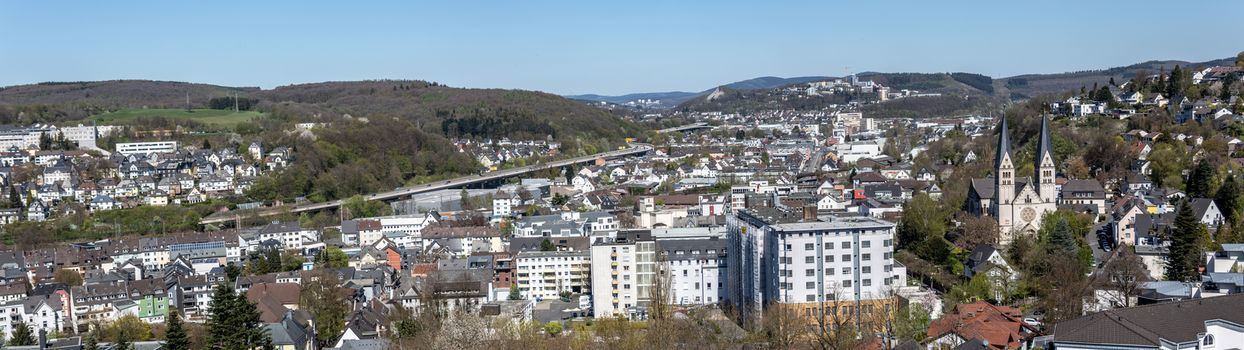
(1004, 177)
(1044, 167)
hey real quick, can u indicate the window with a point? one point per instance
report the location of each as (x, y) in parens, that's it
(866, 244)
(829, 245)
(829, 272)
(787, 247)
(809, 259)
(810, 285)
(846, 245)
(846, 270)
(887, 242)
(866, 269)
(868, 282)
(829, 258)
(809, 272)
(1209, 340)
(846, 283)
(809, 246)
(846, 257)
(866, 257)
(811, 297)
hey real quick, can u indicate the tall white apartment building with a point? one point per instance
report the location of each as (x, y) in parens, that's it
(801, 260)
(544, 275)
(697, 269)
(623, 273)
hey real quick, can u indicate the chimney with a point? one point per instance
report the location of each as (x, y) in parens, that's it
(809, 213)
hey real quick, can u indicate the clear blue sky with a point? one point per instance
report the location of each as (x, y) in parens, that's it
(577, 47)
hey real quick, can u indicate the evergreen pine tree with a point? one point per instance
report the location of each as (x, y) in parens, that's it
(1185, 249)
(15, 201)
(22, 335)
(1062, 242)
(176, 338)
(1228, 198)
(221, 321)
(235, 322)
(1199, 180)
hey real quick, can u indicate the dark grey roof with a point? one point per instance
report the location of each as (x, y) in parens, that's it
(1200, 206)
(984, 187)
(974, 344)
(980, 254)
(1004, 143)
(1080, 186)
(682, 249)
(1148, 325)
(1043, 142)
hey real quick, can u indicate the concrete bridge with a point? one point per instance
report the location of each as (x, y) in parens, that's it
(404, 192)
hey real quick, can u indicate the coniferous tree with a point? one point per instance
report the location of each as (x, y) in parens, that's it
(15, 201)
(1228, 198)
(1199, 180)
(220, 323)
(22, 335)
(1185, 248)
(1062, 242)
(175, 338)
(235, 322)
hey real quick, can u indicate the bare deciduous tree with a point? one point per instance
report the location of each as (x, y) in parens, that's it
(1123, 273)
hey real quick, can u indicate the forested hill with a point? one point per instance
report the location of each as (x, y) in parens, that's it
(52, 102)
(456, 112)
(483, 113)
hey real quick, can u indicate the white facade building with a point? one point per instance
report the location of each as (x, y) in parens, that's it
(623, 273)
(544, 275)
(147, 147)
(792, 258)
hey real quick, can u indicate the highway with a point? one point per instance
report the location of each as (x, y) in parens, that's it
(635, 148)
(687, 127)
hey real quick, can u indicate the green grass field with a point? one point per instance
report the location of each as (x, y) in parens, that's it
(226, 118)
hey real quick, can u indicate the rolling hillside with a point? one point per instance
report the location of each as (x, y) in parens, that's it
(1029, 85)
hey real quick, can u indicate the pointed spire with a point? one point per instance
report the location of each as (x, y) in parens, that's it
(1004, 143)
(1043, 142)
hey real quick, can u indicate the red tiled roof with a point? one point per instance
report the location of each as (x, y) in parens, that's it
(1000, 325)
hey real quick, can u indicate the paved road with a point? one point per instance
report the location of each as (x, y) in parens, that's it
(636, 148)
(685, 128)
(1101, 255)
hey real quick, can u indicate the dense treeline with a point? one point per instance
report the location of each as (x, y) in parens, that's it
(242, 103)
(931, 106)
(495, 123)
(978, 81)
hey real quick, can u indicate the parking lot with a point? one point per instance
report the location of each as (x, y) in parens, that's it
(1099, 239)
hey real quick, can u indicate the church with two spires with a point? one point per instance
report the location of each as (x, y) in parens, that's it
(1016, 203)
